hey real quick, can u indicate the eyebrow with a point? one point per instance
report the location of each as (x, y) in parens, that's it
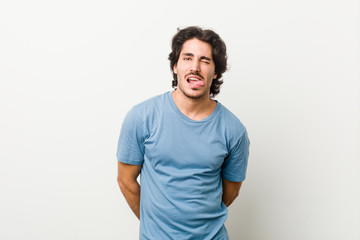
(192, 55)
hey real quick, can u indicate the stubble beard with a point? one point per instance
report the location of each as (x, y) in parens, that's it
(201, 92)
(195, 97)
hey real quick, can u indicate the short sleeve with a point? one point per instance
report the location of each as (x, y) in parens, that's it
(130, 148)
(235, 164)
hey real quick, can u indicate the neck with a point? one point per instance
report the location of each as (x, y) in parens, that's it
(194, 108)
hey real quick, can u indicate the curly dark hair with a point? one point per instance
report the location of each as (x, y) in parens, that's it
(218, 52)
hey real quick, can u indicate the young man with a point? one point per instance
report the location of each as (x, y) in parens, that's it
(191, 151)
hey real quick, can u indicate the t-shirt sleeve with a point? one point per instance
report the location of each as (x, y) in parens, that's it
(130, 148)
(235, 164)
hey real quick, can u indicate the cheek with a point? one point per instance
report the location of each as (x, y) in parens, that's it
(211, 76)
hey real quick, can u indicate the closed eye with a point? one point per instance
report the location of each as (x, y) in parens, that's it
(205, 59)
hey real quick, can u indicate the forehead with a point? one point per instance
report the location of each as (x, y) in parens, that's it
(197, 47)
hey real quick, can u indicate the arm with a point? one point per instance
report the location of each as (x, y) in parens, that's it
(129, 186)
(230, 191)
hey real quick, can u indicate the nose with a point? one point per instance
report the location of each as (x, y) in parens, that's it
(195, 66)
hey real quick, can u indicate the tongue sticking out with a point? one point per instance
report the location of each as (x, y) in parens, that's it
(196, 83)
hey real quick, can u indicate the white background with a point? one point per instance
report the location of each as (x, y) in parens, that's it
(70, 70)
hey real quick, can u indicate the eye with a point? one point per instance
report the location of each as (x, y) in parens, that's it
(187, 58)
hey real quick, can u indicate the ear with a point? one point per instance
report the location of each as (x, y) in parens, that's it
(215, 76)
(175, 69)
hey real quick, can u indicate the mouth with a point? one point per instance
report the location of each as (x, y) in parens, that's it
(195, 81)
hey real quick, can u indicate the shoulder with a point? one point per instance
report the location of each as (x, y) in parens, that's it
(147, 113)
(231, 122)
(149, 106)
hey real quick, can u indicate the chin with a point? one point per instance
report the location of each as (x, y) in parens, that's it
(194, 94)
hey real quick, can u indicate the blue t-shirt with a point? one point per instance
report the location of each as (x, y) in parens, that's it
(183, 163)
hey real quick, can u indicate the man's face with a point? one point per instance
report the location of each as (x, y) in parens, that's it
(195, 69)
